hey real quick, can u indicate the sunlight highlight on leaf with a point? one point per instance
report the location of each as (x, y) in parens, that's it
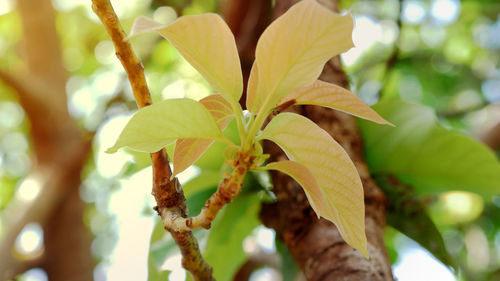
(207, 43)
(335, 97)
(292, 51)
(187, 151)
(157, 125)
(303, 141)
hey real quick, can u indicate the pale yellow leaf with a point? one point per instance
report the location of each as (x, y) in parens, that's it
(333, 96)
(187, 151)
(143, 24)
(303, 176)
(303, 141)
(293, 50)
(253, 81)
(158, 125)
(207, 43)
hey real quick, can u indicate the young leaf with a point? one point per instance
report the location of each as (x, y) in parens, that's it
(207, 43)
(292, 51)
(304, 142)
(253, 81)
(430, 158)
(303, 176)
(335, 97)
(187, 151)
(157, 125)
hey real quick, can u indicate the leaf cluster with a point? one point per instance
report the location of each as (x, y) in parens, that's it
(289, 58)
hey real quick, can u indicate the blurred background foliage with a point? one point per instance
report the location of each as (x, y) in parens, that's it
(433, 67)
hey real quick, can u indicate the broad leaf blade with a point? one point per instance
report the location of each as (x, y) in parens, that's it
(157, 125)
(303, 176)
(335, 97)
(293, 50)
(205, 180)
(207, 43)
(303, 141)
(155, 273)
(187, 151)
(407, 214)
(430, 158)
(253, 81)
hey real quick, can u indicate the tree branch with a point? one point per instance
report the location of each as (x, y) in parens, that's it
(60, 151)
(167, 193)
(228, 189)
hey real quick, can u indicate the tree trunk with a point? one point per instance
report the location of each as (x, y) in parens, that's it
(60, 151)
(316, 244)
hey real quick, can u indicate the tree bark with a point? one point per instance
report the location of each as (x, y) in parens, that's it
(316, 244)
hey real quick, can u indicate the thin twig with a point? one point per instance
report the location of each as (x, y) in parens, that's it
(228, 189)
(167, 193)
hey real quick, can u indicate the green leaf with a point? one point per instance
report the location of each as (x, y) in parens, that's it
(224, 249)
(407, 214)
(156, 274)
(187, 151)
(207, 43)
(196, 201)
(430, 158)
(158, 125)
(205, 180)
(335, 97)
(292, 51)
(158, 252)
(289, 269)
(342, 201)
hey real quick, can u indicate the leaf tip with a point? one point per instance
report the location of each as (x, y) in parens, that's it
(388, 123)
(365, 253)
(111, 150)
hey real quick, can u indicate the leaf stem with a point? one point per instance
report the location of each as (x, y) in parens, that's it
(239, 121)
(254, 129)
(168, 193)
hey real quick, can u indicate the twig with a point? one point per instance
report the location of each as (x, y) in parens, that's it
(167, 193)
(228, 189)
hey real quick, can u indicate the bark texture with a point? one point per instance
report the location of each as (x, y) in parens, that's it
(168, 193)
(316, 244)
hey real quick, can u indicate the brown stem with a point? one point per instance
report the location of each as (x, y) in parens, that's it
(228, 189)
(167, 193)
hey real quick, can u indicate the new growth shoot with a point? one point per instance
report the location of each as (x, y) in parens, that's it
(290, 56)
